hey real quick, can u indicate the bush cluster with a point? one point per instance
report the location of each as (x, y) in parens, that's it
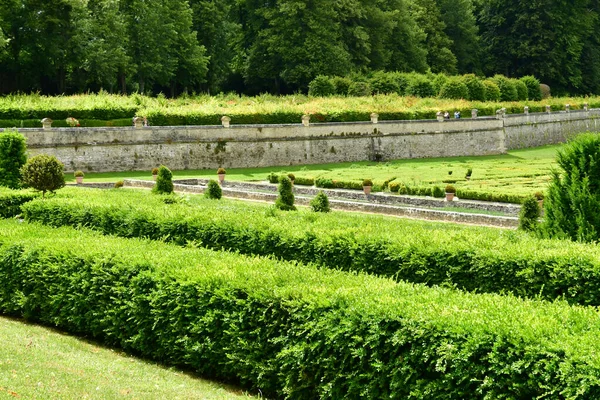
(164, 181)
(414, 252)
(294, 331)
(13, 155)
(11, 201)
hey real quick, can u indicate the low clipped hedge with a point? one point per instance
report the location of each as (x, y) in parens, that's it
(11, 201)
(469, 258)
(297, 332)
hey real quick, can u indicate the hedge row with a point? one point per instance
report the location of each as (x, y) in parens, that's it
(11, 201)
(469, 258)
(297, 332)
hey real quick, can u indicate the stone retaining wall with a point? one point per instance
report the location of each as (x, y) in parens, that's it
(241, 146)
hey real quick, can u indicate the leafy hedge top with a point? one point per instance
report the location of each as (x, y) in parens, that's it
(572, 328)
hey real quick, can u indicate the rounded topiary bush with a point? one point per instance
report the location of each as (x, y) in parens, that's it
(438, 192)
(320, 203)
(529, 215)
(492, 91)
(164, 181)
(321, 86)
(359, 89)
(420, 86)
(285, 200)
(521, 89)
(533, 87)
(454, 88)
(43, 173)
(341, 85)
(384, 83)
(438, 82)
(213, 190)
(475, 87)
(508, 91)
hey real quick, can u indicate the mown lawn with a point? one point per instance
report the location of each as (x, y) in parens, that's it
(41, 363)
(518, 172)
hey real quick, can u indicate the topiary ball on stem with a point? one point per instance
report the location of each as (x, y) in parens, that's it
(43, 173)
(285, 201)
(164, 181)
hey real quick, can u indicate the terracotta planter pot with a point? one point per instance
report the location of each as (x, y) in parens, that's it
(79, 179)
(154, 177)
(221, 177)
(367, 189)
(449, 196)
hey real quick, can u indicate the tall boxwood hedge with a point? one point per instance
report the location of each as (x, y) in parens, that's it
(297, 332)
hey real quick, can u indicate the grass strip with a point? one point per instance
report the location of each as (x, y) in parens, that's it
(294, 331)
(469, 258)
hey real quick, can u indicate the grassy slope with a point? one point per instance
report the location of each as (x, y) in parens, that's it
(38, 362)
(518, 172)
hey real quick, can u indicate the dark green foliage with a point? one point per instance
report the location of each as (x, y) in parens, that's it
(394, 187)
(492, 91)
(321, 86)
(545, 90)
(367, 182)
(164, 181)
(320, 203)
(450, 189)
(476, 88)
(285, 200)
(297, 332)
(529, 215)
(454, 88)
(13, 155)
(522, 91)
(533, 87)
(213, 190)
(384, 83)
(342, 85)
(273, 177)
(304, 181)
(118, 184)
(438, 81)
(438, 192)
(508, 91)
(43, 173)
(420, 86)
(11, 200)
(572, 203)
(359, 89)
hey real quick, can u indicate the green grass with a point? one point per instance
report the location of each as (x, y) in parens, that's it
(39, 362)
(520, 172)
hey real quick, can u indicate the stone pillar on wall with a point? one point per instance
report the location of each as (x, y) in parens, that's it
(440, 116)
(225, 120)
(46, 123)
(567, 107)
(548, 109)
(474, 113)
(374, 117)
(586, 106)
(138, 122)
(501, 113)
(526, 110)
(306, 120)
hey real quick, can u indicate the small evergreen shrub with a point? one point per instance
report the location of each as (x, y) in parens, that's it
(341, 85)
(367, 182)
(154, 171)
(320, 203)
(475, 87)
(285, 200)
(529, 215)
(13, 155)
(359, 89)
(304, 181)
(454, 88)
(78, 174)
(43, 173)
(221, 171)
(321, 86)
(533, 87)
(292, 177)
(492, 91)
(508, 91)
(522, 91)
(324, 183)
(438, 192)
(213, 190)
(118, 184)
(450, 189)
(394, 187)
(164, 181)
(273, 178)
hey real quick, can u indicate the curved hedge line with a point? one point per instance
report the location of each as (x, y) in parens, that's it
(11, 201)
(469, 258)
(297, 332)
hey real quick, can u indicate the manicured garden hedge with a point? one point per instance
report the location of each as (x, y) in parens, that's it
(469, 258)
(11, 200)
(297, 332)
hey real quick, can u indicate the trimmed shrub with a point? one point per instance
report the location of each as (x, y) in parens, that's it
(420, 86)
(359, 89)
(522, 91)
(304, 181)
(11, 200)
(119, 184)
(438, 82)
(164, 181)
(545, 90)
(324, 183)
(438, 192)
(43, 173)
(394, 187)
(321, 86)
(320, 203)
(475, 87)
(533, 87)
(384, 83)
(341, 85)
(273, 178)
(285, 200)
(508, 91)
(572, 204)
(529, 215)
(213, 190)
(13, 155)
(454, 88)
(492, 91)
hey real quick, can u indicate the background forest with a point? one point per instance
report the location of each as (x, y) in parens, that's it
(279, 46)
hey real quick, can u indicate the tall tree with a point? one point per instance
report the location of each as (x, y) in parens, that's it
(461, 28)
